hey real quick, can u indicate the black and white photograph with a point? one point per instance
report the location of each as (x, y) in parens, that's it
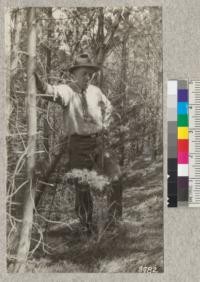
(84, 117)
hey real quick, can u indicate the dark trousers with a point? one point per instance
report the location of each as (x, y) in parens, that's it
(86, 152)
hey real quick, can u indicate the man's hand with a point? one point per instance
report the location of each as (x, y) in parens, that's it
(40, 84)
(46, 90)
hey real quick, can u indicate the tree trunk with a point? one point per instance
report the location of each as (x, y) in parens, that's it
(123, 82)
(100, 41)
(49, 35)
(8, 64)
(16, 42)
(27, 222)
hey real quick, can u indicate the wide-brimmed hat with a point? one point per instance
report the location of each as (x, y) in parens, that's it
(83, 60)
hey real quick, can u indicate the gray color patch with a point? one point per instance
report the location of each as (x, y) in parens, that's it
(172, 101)
(172, 128)
(172, 152)
(172, 114)
(182, 84)
(172, 140)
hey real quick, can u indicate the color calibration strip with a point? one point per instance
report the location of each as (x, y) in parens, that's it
(194, 144)
(172, 88)
(182, 142)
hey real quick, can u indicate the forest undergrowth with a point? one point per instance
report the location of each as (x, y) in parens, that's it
(135, 243)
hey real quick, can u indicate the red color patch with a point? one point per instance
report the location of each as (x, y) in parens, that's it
(183, 145)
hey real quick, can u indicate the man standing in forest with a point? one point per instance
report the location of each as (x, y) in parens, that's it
(87, 112)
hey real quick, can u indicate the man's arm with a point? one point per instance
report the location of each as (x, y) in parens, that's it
(106, 110)
(59, 94)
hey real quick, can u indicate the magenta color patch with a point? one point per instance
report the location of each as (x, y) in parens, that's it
(182, 158)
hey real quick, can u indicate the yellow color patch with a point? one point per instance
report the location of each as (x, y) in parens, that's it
(182, 132)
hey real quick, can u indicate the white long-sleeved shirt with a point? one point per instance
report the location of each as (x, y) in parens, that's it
(99, 109)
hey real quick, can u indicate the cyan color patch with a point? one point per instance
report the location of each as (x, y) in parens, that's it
(183, 108)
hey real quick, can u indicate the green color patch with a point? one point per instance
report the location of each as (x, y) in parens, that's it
(182, 120)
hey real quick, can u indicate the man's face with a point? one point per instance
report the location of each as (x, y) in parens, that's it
(82, 76)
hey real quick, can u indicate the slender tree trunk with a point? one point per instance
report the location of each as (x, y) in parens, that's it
(104, 43)
(27, 222)
(49, 35)
(123, 92)
(16, 42)
(8, 65)
(100, 40)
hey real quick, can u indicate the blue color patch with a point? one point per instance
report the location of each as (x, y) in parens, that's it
(182, 108)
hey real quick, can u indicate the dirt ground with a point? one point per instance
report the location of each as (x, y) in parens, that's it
(134, 245)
